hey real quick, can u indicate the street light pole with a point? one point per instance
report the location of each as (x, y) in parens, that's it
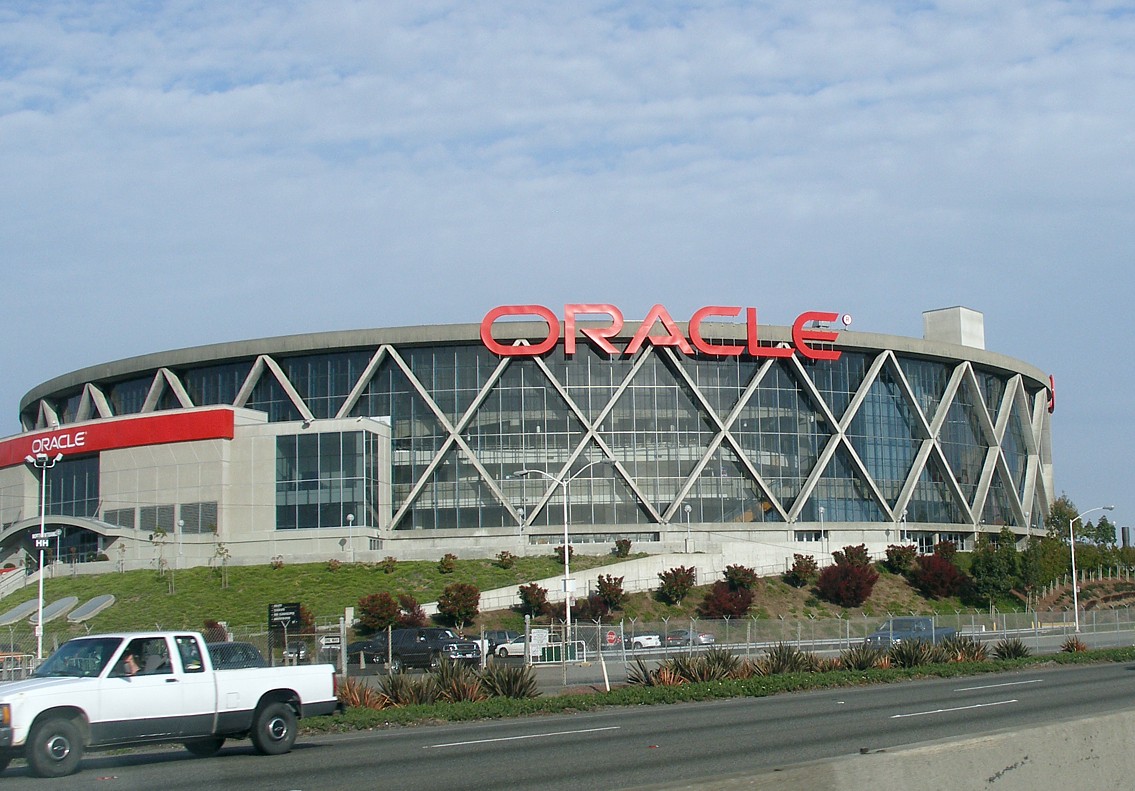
(351, 534)
(563, 483)
(687, 508)
(1072, 547)
(43, 463)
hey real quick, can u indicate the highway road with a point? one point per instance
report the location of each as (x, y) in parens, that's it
(624, 748)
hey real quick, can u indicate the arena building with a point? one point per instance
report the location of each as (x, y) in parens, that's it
(713, 435)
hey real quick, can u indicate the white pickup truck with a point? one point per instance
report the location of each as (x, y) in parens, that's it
(111, 690)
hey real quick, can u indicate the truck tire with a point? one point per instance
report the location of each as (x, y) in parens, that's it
(435, 662)
(54, 748)
(396, 665)
(205, 746)
(5, 759)
(274, 729)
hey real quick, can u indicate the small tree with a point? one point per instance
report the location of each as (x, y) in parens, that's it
(609, 589)
(378, 611)
(459, 603)
(740, 577)
(803, 571)
(214, 632)
(946, 550)
(622, 547)
(506, 559)
(850, 581)
(900, 558)
(533, 600)
(936, 577)
(559, 553)
(676, 583)
(412, 613)
(447, 564)
(722, 601)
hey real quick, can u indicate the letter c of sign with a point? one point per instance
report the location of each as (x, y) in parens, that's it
(534, 350)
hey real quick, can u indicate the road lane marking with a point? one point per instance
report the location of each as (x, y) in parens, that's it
(947, 711)
(518, 738)
(1006, 684)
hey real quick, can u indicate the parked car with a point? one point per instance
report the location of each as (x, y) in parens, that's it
(112, 690)
(688, 637)
(495, 637)
(235, 656)
(897, 630)
(372, 650)
(513, 647)
(296, 651)
(423, 647)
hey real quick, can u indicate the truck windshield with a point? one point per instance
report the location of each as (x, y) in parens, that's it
(84, 658)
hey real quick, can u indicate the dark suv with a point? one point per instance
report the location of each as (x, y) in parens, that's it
(424, 647)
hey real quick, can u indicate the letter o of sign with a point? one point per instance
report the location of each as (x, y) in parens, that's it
(534, 350)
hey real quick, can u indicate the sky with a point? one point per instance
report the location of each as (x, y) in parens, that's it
(175, 174)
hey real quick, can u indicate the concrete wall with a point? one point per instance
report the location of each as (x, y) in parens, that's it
(1090, 753)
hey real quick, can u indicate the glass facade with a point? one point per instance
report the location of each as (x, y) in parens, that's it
(874, 437)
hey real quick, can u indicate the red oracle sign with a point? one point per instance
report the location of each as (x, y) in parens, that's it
(116, 433)
(601, 337)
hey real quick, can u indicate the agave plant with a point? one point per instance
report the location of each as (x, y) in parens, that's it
(963, 648)
(639, 674)
(1074, 645)
(509, 681)
(405, 690)
(784, 658)
(914, 653)
(862, 657)
(457, 682)
(354, 693)
(1012, 648)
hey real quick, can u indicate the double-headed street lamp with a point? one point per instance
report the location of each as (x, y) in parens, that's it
(563, 482)
(43, 463)
(1072, 547)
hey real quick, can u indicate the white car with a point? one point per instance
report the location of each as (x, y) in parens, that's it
(515, 647)
(640, 641)
(120, 689)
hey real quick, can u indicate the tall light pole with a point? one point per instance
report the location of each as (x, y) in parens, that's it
(687, 508)
(563, 482)
(1072, 547)
(43, 463)
(351, 534)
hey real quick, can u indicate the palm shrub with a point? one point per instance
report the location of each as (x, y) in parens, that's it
(403, 689)
(914, 653)
(1011, 648)
(1074, 645)
(662, 676)
(509, 681)
(862, 657)
(354, 693)
(675, 583)
(457, 682)
(963, 648)
(783, 658)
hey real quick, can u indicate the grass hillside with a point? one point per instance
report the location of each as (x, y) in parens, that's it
(187, 598)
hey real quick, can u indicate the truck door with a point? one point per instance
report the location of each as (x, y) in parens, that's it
(142, 695)
(199, 688)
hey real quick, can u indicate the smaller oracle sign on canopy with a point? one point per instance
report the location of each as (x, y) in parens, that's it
(671, 335)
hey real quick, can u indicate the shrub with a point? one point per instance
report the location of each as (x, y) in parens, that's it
(721, 601)
(915, 653)
(852, 556)
(804, 568)
(946, 549)
(676, 583)
(1074, 645)
(277, 562)
(214, 632)
(447, 564)
(593, 607)
(533, 600)
(458, 682)
(900, 557)
(609, 589)
(510, 681)
(459, 602)
(740, 577)
(963, 648)
(378, 611)
(783, 658)
(334, 564)
(847, 585)
(506, 559)
(1011, 648)
(354, 693)
(388, 563)
(558, 552)
(937, 577)
(403, 689)
(412, 613)
(622, 547)
(863, 657)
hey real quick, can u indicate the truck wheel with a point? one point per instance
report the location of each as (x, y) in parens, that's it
(54, 748)
(395, 665)
(274, 729)
(5, 759)
(435, 662)
(206, 746)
